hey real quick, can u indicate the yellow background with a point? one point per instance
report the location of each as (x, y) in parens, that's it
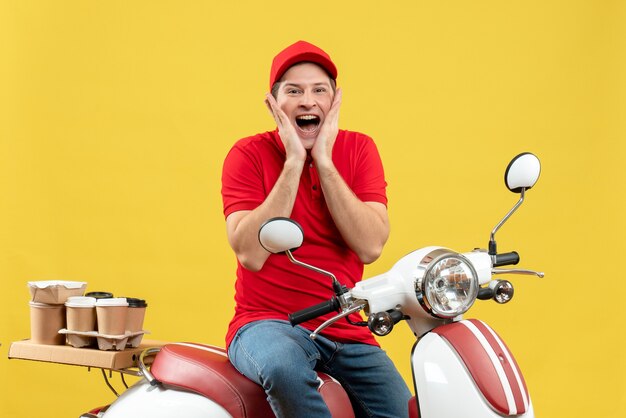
(115, 117)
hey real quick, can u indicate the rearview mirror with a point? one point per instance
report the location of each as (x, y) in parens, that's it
(522, 172)
(278, 235)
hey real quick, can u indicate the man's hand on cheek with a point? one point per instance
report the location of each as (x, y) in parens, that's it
(322, 151)
(286, 131)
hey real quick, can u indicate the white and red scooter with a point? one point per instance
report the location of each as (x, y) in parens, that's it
(461, 368)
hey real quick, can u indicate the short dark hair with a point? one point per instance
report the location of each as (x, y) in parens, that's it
(276, 85)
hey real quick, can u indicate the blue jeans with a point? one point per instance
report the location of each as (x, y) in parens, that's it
(283, 359)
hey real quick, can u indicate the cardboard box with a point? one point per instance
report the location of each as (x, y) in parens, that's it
(89, 357)
(55, 292)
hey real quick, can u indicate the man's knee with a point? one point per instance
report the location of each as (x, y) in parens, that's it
(273, 351)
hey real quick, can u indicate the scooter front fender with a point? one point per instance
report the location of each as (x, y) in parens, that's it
(446, 387)
(144, 401)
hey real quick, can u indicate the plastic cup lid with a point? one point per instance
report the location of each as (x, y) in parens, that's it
(136, 303)
(99, 295)
(80, 302)
(112, 302)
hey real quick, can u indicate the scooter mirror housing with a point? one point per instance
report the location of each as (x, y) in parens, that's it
(278, 235)
(522, 172)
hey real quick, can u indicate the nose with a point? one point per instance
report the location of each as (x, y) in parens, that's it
(307, 100)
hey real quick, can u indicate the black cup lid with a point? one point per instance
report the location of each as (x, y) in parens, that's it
(99, 295)
(136, 303)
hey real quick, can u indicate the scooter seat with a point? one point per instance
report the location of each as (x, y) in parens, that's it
(206, 370)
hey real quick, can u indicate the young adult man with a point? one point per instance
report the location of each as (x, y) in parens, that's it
(332, 183)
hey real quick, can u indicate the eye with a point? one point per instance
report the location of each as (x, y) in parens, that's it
(320, 90)
(293, 91)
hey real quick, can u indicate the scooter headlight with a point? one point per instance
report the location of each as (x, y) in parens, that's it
(448, 287)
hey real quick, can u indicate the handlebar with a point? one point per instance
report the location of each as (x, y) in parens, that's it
(506, 259)
(314, 311)
(485, 293)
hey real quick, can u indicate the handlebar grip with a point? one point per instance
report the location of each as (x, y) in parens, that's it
(485, 293)
(314, 311)
(506, 259)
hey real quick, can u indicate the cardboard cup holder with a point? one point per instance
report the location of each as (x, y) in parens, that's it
(80, 339)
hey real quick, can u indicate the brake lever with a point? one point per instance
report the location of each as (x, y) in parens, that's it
(518, 271)
(356, 306)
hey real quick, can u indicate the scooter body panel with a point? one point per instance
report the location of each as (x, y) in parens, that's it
(143, 400)
(444, 386)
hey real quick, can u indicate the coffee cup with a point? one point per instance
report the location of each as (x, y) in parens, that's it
(81, 313)
(111, 314)
(99, 295)
(45, 322)
(136, 314)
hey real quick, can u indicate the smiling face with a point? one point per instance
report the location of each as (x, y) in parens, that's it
(305, 93)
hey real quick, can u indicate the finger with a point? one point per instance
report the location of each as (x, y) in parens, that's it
(269, 108)
(282, 116)
(338, 96)
(270, 102)
(333, 113)
(337, 99)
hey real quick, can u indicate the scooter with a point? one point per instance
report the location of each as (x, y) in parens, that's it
(460, 367)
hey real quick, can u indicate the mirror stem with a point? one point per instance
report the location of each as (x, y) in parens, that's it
(336, 285)
(492, 241)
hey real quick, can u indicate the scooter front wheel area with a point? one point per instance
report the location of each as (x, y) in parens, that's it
(467, 362)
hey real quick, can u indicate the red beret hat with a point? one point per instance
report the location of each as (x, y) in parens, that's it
(299, 52)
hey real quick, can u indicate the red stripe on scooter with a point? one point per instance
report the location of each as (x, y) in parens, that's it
(508, 367)
(478, 363)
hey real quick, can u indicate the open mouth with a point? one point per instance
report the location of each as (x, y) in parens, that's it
(308, 123)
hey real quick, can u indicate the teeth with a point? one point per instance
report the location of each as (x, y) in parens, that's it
(307, 117)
